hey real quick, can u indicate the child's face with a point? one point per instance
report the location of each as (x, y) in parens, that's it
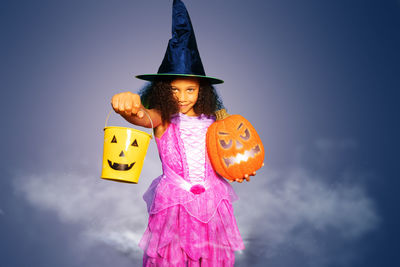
(186, 92)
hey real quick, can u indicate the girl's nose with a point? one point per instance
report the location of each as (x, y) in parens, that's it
(181, 97)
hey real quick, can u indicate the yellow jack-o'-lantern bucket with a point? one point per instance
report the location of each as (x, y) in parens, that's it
(124, 151)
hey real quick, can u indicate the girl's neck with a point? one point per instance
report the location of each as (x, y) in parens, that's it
(194, 116)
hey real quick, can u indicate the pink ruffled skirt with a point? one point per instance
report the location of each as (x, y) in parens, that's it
(175, 238)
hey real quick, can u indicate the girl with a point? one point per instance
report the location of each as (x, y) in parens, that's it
(191, 221)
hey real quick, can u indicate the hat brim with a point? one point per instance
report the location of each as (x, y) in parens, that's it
(152, 77)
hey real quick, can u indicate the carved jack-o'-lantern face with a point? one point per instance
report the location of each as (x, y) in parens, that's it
(123, 154)
(238, 145)
(234, 147)
(119, 166)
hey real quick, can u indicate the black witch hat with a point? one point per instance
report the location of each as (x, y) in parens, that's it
(182, 57)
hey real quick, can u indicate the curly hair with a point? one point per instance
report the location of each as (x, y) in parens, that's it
(158, 95)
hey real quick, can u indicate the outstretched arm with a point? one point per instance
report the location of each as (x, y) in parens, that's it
(129, 106)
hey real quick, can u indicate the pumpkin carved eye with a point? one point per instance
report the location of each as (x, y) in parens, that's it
(224, 144)
(134, 143)
(114, 140)
(246, 135)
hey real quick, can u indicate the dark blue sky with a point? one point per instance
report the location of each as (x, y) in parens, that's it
(318, 79)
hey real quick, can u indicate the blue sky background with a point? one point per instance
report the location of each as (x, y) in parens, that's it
(319, 80)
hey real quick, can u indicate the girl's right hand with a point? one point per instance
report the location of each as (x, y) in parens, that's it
(127, 104)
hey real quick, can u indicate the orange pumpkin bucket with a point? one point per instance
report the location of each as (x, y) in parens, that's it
(124, 151)
(233, 146)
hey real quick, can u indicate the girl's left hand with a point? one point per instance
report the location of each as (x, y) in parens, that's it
(246, 177)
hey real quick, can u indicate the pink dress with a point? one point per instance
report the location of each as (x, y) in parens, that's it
(191, 220)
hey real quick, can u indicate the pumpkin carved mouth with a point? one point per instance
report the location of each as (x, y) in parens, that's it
(242, 156)
(119, 166)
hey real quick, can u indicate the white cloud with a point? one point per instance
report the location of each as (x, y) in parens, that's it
(111, 212)
(298, 211)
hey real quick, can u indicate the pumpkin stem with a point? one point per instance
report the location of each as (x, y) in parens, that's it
(221, 114)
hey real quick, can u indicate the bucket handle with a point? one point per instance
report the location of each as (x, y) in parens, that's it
(145, 112)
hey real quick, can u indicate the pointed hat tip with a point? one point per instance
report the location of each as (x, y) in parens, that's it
(182, 57)
(177, 2)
